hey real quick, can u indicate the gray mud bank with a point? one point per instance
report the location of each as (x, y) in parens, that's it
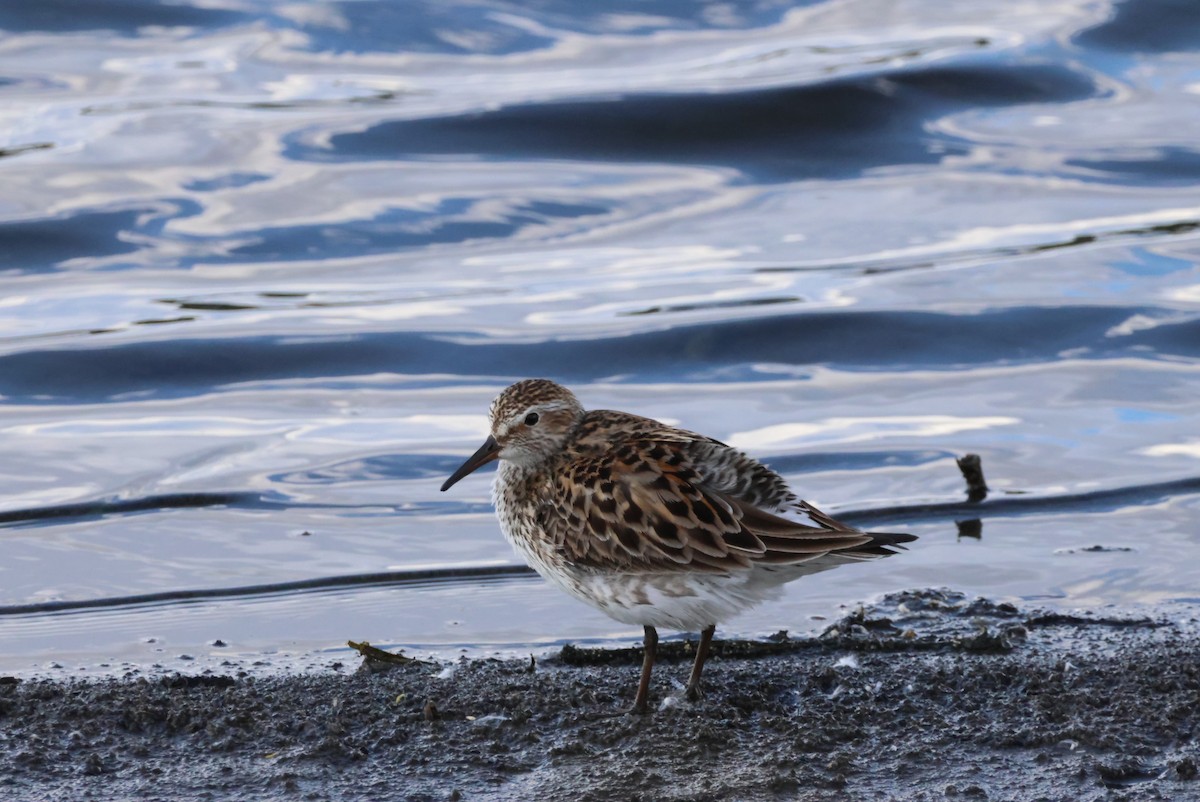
(926, 696)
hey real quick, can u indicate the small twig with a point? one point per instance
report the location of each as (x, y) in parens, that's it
(376, 659)
(972, 470)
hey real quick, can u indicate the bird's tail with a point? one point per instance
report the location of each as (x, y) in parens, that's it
(881, 543)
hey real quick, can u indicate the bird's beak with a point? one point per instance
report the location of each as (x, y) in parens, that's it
(486, 453)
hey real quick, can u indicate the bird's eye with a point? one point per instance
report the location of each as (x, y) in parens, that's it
(531, 419)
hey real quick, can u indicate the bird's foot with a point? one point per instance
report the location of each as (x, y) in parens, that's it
(639, 709)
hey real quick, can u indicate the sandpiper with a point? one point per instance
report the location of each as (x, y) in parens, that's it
(651, 524)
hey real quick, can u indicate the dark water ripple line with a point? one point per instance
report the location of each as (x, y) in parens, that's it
(888, 340)
(1091, 501)
(99, 508)
(837, 128)
(16, 150)
(378, 579)
(165, 501)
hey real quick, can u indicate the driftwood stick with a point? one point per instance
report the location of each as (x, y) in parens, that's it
(972, 470)
(375, 659)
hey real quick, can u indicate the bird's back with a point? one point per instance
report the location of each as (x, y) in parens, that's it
(633, 494)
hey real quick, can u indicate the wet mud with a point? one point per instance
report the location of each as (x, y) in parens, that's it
(924, 696)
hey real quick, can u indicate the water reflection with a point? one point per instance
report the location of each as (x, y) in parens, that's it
(265, 266)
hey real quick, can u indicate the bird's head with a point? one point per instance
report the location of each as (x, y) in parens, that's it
(530, 421)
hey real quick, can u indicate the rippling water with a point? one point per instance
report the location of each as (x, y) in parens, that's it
(264, 265)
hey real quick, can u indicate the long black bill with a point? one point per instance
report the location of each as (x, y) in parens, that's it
(486, 453)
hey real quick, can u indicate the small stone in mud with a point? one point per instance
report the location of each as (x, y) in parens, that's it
(92, 765)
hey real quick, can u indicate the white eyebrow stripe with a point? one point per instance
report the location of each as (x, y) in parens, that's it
(551, 406)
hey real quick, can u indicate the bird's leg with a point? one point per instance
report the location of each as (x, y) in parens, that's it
(643, 692)
(693, 686)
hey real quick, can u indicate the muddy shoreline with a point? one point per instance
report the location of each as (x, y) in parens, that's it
(926, 695)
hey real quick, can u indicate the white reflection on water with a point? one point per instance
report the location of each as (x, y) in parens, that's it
(1189, 294)
(857, 430)
(1189, 449)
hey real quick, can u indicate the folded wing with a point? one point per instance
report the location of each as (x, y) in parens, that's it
(645, 506)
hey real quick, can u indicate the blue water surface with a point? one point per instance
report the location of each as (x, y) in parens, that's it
(263, 266)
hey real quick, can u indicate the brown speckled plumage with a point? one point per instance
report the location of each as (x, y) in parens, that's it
(651, 524)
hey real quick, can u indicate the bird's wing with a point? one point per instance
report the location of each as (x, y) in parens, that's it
(644, 505)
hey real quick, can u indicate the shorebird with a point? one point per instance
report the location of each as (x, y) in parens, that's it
(651, 524)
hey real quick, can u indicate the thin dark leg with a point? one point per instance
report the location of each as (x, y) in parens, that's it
(651, 644)
(693, 686)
